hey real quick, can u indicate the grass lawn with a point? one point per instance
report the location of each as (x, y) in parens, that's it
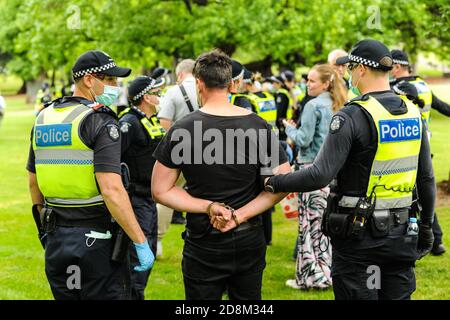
(21, 256)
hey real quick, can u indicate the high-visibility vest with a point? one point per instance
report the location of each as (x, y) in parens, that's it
(265, 107)
(151, 125)
(424, 94)
(64, 164)
(291, 102)
(394, 168)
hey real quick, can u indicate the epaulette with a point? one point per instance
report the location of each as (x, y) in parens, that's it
(98, 107)
(363, 97)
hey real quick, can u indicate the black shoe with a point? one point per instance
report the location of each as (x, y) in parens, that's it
(438, 250)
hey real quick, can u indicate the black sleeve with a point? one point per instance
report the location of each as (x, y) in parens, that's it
(426, 186)
(163, 152)
(31, 164)
(131, 132)
(328, 162)
(440, 106)
(100, 131)
(274, 156)
(243, 102)
(282, 102)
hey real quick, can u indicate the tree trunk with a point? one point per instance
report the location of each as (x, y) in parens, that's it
(23, 88)
(263, 66)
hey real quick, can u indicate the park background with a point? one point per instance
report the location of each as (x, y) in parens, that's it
(40, 40)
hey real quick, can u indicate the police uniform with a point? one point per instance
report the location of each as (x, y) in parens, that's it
(72, 139)
(284, 105)
(378, 151)
(417, 90)
(140, 137)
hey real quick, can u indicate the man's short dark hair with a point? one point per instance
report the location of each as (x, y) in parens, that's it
(214, 69)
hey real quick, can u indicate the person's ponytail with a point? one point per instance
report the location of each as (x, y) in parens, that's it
(336, 86)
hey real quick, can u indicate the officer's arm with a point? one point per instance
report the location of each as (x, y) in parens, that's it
(303, 136)
(36, 194)
(127, 129)
(167, 109)
(165, 123)
(328, 162)
(440, 106)
(118, 203)
(426, 186)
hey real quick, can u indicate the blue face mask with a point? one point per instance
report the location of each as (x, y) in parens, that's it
(354, 89)
(109, 95)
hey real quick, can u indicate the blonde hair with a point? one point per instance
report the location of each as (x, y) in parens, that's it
(336, 88)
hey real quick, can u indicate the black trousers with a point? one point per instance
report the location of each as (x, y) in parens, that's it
(146, 214)
(267, 225)
(437, 231)
(375, 268)
(232, 262)
(79, 268)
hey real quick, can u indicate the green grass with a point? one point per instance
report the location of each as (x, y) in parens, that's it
(22, 273)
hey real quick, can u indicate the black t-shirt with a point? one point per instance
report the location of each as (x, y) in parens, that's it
(231, 183)
(94, 132)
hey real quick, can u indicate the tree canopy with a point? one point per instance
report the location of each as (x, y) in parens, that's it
(40, 36)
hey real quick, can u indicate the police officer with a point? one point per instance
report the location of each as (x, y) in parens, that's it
(379, 151)
(141, 133)
(75, 183)
(417, 89)
(236, 98)
(283, 99)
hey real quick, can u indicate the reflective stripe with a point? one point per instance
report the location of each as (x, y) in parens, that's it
(387, 203)
(75, 113)
(381, 168)
(42, 154)
(76, 202)
(40, 118)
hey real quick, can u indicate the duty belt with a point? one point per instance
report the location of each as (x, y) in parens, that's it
(100, 223)
(396, 216)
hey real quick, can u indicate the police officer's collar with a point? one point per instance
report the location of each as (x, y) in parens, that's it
(141, 114)
(73, 99)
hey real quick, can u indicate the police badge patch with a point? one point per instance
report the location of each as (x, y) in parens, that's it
(336, 123)
(113, 132)
(124, 127)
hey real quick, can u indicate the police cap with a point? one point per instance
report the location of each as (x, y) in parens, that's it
(400, 57)
(247, 75)
(142, 85)
(159, 72)
(96, 61)
(371, 53)
(237, 70)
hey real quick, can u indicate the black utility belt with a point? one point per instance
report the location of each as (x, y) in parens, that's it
(96, 223)
(345, 224)
(242, 227)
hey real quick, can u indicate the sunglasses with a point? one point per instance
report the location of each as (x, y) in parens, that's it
(157, 93)
(352, 65)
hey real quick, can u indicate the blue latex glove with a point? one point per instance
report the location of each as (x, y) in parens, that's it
(145, 256)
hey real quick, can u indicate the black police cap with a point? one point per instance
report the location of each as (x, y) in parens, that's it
(371, 53)
(142, 85)
(96, 61)
(237, 70)
(247, 75)
(287, 75)
(400, 57)
(159, 72)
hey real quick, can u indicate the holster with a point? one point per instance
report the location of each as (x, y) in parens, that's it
(121, 245)
(360, 219)
(380, 223)
(45, 221)
(329, 214)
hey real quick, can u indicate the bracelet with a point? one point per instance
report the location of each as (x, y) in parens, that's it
(208, 208)
(235, 218)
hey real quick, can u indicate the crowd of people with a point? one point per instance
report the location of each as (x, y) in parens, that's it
(224, 145)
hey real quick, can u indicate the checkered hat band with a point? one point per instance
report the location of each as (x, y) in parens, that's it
(403, 62)
(363, 61)
(146, 89)
(105, 67)
(238, 76)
